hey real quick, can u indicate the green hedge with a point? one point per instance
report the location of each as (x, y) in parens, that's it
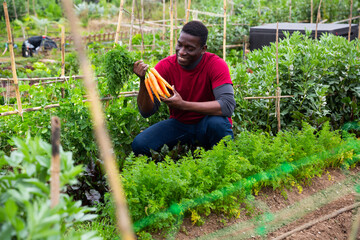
(322, 75)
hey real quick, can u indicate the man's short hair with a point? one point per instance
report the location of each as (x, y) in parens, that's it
(198, 29)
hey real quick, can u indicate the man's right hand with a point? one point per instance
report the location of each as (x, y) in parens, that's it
(140, 69)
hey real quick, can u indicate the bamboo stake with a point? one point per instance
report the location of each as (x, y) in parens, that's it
(289, 10)
(33, 109)
(347, 20)
(351, 6)
(175, 13)
(224, 35)
(277, 79)
(311, 11)
(23, 32)
(317, 19)
(43, 79)
(28, 8)
(171, 27)
(269, 97)
(141, 30)
(132, 25)
(154, 38)
(185, 7)
(102, 137)
(119, 22)
(55, 162)
(244, 47)
(62, 51)
(355, 229)
(188, 11)
(12, 56)
(33, 2)
(13, 1)
(163, 29)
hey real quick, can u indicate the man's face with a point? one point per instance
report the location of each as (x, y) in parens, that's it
(188, 49)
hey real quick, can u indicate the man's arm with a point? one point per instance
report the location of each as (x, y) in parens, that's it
(145, 105)
(223, 105)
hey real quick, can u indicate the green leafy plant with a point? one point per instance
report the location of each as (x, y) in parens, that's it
(25, 211)
(118, 66)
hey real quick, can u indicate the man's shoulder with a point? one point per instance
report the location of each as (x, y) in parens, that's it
(213, 58)
(170, 60)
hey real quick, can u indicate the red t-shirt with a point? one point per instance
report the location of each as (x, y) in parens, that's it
(194, 85)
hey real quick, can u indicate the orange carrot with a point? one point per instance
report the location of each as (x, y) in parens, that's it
(156, 85)
(158, 76)
(147, 85)
(151, 83)
(163, 88)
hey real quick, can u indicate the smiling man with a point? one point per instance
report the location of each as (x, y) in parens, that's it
(203, 99)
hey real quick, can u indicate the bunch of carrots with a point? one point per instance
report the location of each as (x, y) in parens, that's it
(156, 84)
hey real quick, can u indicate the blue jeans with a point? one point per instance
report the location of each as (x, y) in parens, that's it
(209, 131)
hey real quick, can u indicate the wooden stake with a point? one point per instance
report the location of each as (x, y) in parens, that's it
(171, 27)
(141, 30)
(164, 21)
(351, 6)
(33, 2)
(244, 47)
(55, 162)
(317, 19)
(224, 35)
(232, 8)
(62, 51)
(278, 91)
(355, 229)
(28, 8)
(154, 38)
(289, 10)
(13, 1)
(102, 136)
(311, 11)
(119, 22)
(269, 97)
(185, 7)
(12, 56)
(188, 11)
(132, 25)
(33, 109)
(321, 219)
(175, 14)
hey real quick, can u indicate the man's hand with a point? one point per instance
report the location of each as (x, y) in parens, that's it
(206, 108)
(140, 69)
(175, 101)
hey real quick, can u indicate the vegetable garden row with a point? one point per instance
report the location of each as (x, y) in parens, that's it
(319, 125)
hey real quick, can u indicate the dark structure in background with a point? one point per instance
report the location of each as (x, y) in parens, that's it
(33, 44)
(263, 35)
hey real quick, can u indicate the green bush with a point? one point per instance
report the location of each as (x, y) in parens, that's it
(25, 211)
(321, 75)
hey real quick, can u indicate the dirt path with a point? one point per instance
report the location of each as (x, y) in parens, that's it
(277, 215)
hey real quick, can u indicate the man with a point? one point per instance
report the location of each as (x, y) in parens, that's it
(203, 99)
(33, 44)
